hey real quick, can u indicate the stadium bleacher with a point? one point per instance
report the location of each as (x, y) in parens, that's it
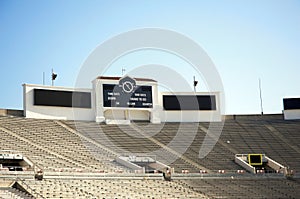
(69, 150)
(55, 188)
(245, 188)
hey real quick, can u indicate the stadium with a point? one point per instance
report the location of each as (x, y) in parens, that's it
(113, 142)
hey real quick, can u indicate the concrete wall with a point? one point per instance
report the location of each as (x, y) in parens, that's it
(53, 112)
(99, 113)
(11, 112)
(291, 114)
(255, 117)
(110, 113)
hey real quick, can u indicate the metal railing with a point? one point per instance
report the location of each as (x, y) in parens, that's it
(31, 191)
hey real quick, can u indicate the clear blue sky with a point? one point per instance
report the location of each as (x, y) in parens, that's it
(246, 40)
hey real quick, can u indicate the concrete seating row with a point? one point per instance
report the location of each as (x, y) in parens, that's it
(54, 188)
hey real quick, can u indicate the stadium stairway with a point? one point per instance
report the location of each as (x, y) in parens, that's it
(51, 147)
(158, 140)
(13, 193)
(90, 147)
(131, 139)
(278, 139)
(274, 137)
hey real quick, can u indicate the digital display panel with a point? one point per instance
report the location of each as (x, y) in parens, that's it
(43, 97)
(127, 95)
(189, 102)
(255, 159)
(291, 103)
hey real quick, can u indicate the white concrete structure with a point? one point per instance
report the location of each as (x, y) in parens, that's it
(124, 114)
(292, 114)
(54, 112)
(191, 115)
(291, 108)
(116, 100)
(135, 162)
(242, 160)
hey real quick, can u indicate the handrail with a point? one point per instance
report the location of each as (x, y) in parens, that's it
(18, 180)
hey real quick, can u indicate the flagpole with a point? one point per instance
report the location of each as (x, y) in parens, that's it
(52, 77)
(260, 95)
(194, 85)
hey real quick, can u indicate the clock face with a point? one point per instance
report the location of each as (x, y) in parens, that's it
(127, 86)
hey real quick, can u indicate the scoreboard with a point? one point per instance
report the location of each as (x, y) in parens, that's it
(127, 95)
(189, 102)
